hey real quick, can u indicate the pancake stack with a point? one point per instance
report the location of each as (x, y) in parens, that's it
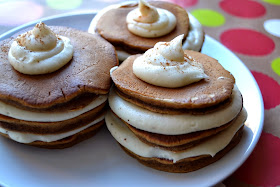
(62, 108)
(110, 23)
(176, 129)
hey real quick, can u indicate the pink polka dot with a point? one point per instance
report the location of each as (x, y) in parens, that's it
(270, 90)
(262, 168)
(185, 3)
(247, 42)
(243, 8)
(19, 12)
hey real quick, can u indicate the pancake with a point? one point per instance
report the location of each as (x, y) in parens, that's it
(85, 73)
(177, 142)
(174, 124)
(186, 160)
(110, 23)
(189, 164)
(62, 108)
(113, 27)
(74, 104)
(37, 127)
(165, 110)
(205, 93)
(175, 132)
(68, 141)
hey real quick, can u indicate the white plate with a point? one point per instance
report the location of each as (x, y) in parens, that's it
(99, 161)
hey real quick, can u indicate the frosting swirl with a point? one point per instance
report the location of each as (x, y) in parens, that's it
(150, 22)
(40, 51)
(165, 65)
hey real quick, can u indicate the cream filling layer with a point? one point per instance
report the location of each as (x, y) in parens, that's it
(195, 36)
(28, 137)
(210, 147)
(17, 113)
(146, 120)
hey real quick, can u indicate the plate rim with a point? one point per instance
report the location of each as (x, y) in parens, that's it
(256, 136)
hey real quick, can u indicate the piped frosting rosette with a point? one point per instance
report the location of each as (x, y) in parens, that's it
(165, 65)
(150, 22)
(40, 51)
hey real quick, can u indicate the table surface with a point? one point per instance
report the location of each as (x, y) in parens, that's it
(249, 28)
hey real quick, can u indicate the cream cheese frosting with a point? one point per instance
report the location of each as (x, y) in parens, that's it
(17, 113)
(28, 137)
(146, 120)
(165, 65)
(150, 22)
(210, 147)
(40, 51)
(195, 36)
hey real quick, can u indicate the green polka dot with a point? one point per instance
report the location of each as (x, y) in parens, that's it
(273, 2)
(275, 65)
(209, 18)
(64, 4)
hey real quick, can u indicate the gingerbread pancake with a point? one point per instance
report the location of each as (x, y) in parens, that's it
(62, 108)
(183, 161)
(113, 27)
(45, 126)
(175, 132)
(87, 72)
(111, 24)
(205, 93)
(176, 142)
(188, 164)
(174, 124)
(69, 141)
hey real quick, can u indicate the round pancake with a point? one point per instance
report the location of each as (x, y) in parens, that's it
(76, 103)
(87, 72)
(68, 141)
(112, 26)
(165, 110)
(188, 164)
(177, 142)
(42, 128)
(205, 93)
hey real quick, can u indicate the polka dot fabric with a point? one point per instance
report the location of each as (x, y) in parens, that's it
(208, 17)
(244, 9)
(266, 172)
(249, 28)
(248, 42)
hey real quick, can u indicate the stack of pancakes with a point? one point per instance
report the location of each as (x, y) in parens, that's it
(176, 129)
(110, 23)
(62, 108)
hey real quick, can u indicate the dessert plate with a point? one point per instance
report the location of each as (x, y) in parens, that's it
(100, 161)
